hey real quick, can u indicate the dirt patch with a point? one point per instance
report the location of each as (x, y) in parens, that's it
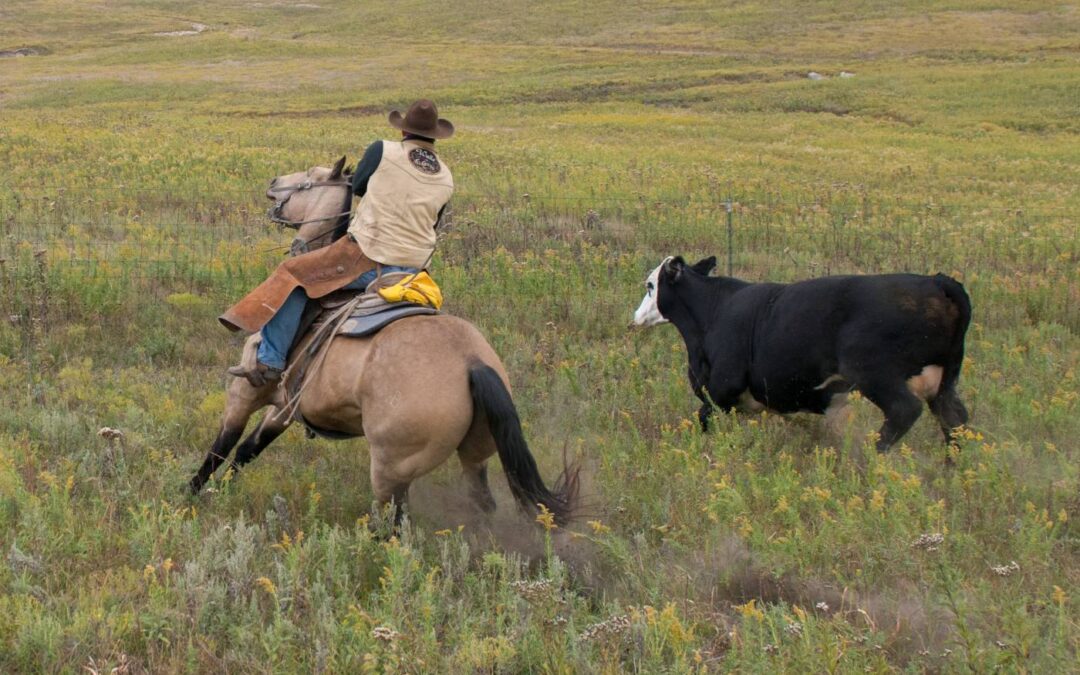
(905, 615)
(196, 28)
(439, 505)
(351, 111)
(706, 585)
(20, 52)
(287, 5)
(617, 90)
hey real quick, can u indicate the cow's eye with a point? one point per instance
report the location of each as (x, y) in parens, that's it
(648, 286)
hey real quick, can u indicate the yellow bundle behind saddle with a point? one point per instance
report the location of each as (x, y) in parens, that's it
(419, 289)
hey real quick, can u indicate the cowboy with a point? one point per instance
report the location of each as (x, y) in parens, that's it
(404, 188)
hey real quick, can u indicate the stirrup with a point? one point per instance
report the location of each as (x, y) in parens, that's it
(259, 376)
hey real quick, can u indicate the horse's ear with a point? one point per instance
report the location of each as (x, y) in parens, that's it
(336, 172)
(705, 265)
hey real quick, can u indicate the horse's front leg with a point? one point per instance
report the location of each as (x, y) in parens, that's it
(242, 400)
(272, 425)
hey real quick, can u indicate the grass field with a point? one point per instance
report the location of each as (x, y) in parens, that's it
(593, 140)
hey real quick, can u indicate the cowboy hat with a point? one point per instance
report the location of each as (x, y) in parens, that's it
(422, 118)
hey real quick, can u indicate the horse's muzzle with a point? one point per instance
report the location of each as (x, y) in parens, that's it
(298, 247)
(275, 215)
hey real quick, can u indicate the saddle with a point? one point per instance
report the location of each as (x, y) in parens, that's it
(370, 311)
(345, 313)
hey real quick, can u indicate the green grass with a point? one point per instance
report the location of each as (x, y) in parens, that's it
(594, 139)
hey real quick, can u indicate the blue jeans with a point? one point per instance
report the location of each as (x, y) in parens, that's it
(279, 332)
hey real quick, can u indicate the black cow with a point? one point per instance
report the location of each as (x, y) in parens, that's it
(897, 338)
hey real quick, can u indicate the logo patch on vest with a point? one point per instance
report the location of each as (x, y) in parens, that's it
(425, 160)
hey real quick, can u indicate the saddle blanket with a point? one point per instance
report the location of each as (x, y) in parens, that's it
(359, 325)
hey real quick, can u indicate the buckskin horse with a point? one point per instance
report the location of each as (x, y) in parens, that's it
(420, 389)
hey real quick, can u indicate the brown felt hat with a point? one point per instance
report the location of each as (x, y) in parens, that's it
(422, 118)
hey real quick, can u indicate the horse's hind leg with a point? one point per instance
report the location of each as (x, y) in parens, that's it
(474, 451)
(476, 475)
(389, 489)
(397, 461)
(241, 401)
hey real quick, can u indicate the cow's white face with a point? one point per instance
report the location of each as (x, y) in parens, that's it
(648, 313)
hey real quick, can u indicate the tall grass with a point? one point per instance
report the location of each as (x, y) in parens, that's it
(594, 139)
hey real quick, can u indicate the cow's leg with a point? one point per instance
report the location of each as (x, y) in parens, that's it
(949, 411)
(901, 407)
(726, 392)
(269, 428)
(697, 382)
(703, 415)
(838, 415)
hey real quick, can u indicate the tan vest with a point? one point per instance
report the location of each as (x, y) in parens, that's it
(395, 222)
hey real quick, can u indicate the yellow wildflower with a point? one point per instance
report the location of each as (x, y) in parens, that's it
(266, 585)
(750, 611)
(742, 524)
(1059, 596)
(546, 518)
(598, 527)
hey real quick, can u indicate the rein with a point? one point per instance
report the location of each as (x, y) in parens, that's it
(311, 359)
(275, 216)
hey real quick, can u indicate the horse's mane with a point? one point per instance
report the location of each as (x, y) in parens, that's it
(346, 210)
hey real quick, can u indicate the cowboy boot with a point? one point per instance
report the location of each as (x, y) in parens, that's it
(259, 376)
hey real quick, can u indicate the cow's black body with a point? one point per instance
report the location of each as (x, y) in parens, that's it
(794, 347)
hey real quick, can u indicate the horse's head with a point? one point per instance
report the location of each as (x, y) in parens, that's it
(314, 202)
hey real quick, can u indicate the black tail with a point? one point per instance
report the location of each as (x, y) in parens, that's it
(490, 395)
(947, 406)
(955, 292)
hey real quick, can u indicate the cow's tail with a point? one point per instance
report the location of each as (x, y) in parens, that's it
(956, 294)
(947, 404)
(490, 395)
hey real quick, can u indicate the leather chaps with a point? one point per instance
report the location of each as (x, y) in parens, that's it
(318, 273)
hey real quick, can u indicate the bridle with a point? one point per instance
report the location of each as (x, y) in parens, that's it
(274, 213)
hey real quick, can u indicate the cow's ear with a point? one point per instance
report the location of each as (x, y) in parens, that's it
(673, 268)
(705, 265)
(335, 173)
